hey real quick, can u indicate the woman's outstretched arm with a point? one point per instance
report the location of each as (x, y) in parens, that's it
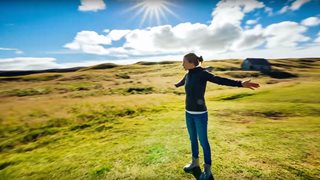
(222, 80)
(181, 83)
(230, 82)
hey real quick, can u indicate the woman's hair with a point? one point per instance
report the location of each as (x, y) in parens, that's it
(193, 58)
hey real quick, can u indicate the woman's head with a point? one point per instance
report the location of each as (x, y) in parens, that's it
(191, 60)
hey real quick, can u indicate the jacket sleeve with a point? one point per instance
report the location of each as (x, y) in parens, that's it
(222, 80)
(181, 82)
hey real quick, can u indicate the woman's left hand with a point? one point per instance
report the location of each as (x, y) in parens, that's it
(249, 84)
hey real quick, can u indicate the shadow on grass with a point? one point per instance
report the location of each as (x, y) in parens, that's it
(279, 74)
(6, 164)
(236, 96)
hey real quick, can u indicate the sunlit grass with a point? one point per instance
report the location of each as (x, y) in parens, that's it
(128, 122)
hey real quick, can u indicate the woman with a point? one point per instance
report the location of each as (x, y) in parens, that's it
(195, 82)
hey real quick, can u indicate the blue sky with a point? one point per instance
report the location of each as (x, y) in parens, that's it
(58, 34)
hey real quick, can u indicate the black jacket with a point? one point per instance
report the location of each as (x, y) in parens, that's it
(195, 82)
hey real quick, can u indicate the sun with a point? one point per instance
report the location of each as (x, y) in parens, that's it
(154, 10)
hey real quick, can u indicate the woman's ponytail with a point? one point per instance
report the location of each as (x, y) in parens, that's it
(200, 59)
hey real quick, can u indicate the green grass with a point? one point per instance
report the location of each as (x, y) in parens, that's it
(107, 132)
(34, 78)
(26, 92)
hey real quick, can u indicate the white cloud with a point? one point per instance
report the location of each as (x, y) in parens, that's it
(17, 51)
(317, 40)
(182, 37)
(311, 21)
(92, 5)
(116, 35)
(233, 11)
(251, 21)
(269, 11)
(294, 6)
(157, 40)
(92, 43)
(89, 42)
(249, 39)
(27, 63)
(285, 34)
(284, 9)
(298, 3)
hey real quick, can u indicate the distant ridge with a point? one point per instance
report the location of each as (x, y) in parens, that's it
(112, 65)
(100, 66)
(152, 63)
(26, 72)
(73, 69)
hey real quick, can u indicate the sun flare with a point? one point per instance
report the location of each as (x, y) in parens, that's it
(154, 10)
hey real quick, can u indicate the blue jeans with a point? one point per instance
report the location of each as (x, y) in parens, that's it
(197, 125)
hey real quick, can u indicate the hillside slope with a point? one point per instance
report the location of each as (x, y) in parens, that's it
(127, 122)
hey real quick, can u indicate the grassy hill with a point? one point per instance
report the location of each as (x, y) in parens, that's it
(128, 122)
